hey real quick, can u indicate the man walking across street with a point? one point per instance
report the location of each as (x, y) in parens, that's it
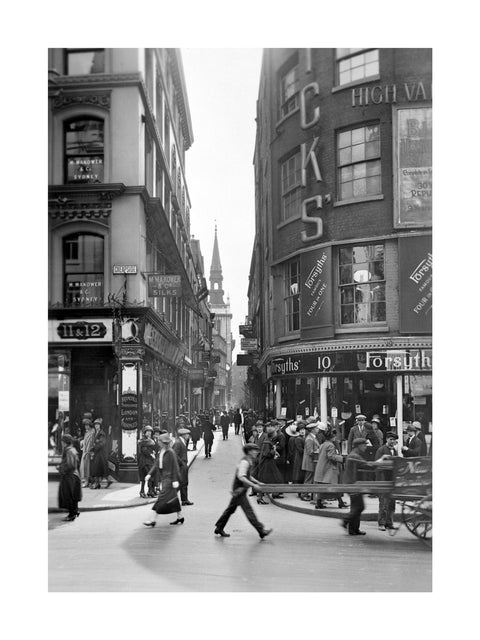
(180, 448)
(241, 482)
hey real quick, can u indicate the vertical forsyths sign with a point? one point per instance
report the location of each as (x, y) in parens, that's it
(416, 280)
(413, 166)
(316, 293)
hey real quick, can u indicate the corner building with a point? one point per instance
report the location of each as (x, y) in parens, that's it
(124, 286)
(340, 293)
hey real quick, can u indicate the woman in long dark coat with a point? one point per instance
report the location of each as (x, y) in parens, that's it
(99, 465)
(298, 475)
(167, 467)
(266, 470)
(70, 488)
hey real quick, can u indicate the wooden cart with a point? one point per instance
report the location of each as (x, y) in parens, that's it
(411, 486)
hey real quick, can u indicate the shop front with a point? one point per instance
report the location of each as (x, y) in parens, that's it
(395, 384)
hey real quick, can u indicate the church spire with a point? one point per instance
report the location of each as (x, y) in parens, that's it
(216, 278)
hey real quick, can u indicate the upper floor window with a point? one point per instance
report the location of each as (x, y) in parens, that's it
(359, 165)
(292, 296)
(83, 263)
(289, 83)
(361, 279)
(79, 62)
(291, 186)
(84, 150)
(355, 65)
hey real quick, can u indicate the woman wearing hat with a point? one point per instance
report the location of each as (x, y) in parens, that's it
(167, 466)
(267, 471)
(99, 465)
(70, 488)
(145, 459)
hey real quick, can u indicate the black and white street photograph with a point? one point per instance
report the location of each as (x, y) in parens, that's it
(241, 420)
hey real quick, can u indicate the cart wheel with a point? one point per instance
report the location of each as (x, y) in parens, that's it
(417, 517)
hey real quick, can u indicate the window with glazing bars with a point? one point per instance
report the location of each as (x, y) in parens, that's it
(291, 187)
(355, 65)
(359, 165)
(292, 296)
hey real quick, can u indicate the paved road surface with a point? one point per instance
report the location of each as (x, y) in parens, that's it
(113, 551)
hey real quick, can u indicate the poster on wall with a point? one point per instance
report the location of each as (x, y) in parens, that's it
(413, 166)
(316, 293)
(415, 261)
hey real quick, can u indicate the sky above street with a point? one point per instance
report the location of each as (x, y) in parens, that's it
(222, 87)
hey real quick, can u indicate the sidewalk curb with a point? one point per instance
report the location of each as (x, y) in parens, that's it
(109, 507)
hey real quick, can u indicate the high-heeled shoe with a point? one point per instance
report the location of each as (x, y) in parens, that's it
(150, 523)
(69, 518)
(261, 501)
(142, 494)
(109, 482)
(178, 521)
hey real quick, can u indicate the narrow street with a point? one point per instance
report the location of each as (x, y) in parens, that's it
(112, 551)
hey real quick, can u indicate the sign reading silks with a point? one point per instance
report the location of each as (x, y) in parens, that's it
(316, 293)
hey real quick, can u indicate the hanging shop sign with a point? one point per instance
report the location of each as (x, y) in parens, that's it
(92, 330)
(246, 330)
(316, 293)
(164, 285)
(416, 280)
(249, 344)
(395, 360)
(196, 375)
(412, 166)
(154, 339)
(244, 359)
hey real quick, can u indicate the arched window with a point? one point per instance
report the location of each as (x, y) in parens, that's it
(83, 269)
(84, 150)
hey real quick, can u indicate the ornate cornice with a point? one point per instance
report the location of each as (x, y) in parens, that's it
(97, 79)
(68, 99)
(80, 211)
(390, 342)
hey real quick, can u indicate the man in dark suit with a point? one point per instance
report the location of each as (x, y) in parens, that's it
(180, 448)
(359, 430)
(386, 506)
(413, 444)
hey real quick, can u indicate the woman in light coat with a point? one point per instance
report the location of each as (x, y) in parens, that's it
(327, 470)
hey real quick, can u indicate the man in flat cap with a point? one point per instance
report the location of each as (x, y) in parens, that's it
(241, 482)
(413, 444)
(356, 460)
(386, 506)
(310, 451)
(180, 448)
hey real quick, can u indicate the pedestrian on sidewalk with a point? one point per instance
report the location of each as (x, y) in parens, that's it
(180, 447)
(99, 465)
(241, 482)
(266, 470)
(310, 452)
(298, 475)
(70, 487)
(167, 466)
(207, 431)
(87, 448)
(327, 470)
(224, 423)
(145, 459)
(195, 431)
(386, 505)
(237, 421)
(354, 462)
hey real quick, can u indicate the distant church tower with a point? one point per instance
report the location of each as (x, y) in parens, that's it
(222, 333)
(216, 278)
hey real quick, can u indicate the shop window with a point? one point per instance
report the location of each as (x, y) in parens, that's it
(289, 85)
(83, 270)
(84, 150)
(356, 65)
(291, 187)
(362, 284)
(358, 162)
(292, 296)
(80, 62)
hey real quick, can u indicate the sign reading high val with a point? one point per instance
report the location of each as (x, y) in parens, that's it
(164, 285)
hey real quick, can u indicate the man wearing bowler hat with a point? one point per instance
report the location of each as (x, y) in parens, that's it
(180, 448)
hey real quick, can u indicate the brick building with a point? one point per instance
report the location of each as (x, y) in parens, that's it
(341, 273)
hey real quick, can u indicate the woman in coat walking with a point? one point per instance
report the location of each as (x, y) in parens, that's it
(99, 465)
(70, 488)
(167, 466)
(207, 430)
(327, 470)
